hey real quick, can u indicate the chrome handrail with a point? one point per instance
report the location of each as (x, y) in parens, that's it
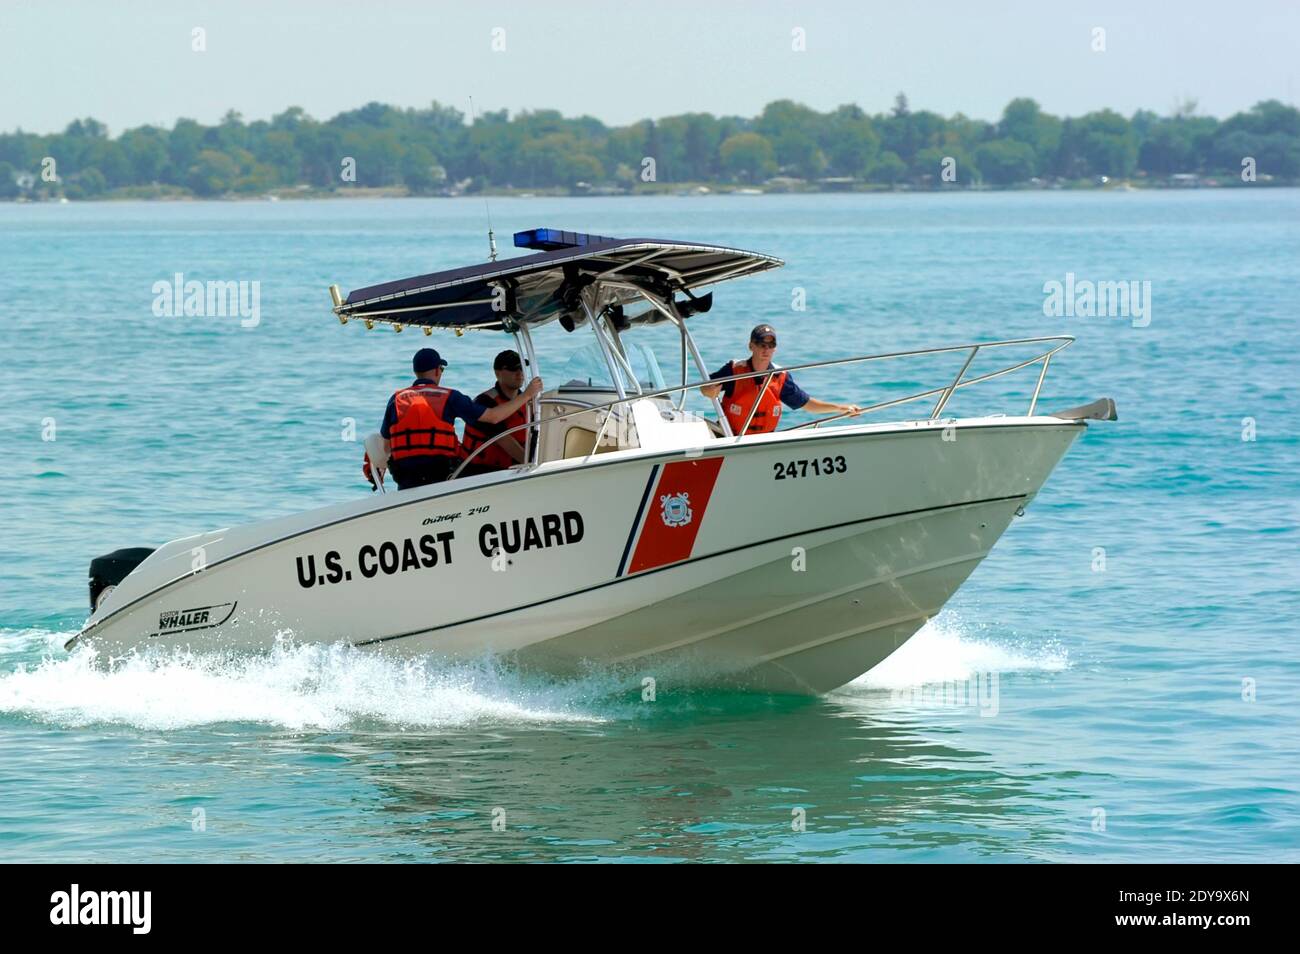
(943, 401)
(1064, 341)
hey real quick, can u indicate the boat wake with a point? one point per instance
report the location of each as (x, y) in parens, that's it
(309, 686)
(948, 650)
(295, 687)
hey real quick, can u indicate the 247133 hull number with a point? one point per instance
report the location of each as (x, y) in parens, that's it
(816, 466)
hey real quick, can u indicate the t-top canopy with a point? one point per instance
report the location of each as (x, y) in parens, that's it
(535, 289)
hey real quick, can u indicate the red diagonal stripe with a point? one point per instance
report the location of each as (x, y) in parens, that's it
(660, 543)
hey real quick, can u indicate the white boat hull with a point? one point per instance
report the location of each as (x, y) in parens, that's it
(782, 578)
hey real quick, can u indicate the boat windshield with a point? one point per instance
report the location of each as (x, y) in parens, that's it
(587, 368)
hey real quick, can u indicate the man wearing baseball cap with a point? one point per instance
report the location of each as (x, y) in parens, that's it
(419, 428)
(738, 397)
(509, 450)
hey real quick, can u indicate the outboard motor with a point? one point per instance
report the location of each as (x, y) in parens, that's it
(111, 569)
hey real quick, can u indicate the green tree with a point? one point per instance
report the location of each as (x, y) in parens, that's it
(213, 173)
(1168, 148)
(87, 184)
(1005, 161)
(793, 131)
(321, 148)
(628, 146)
(232, 133)
(495, 146)
(558, 159)
(145, 150)
(254, 176)
(849, 142)
(183, 145)
(700, 146)
(670, 149)
(378, 154)
(1268, 116)
(110, 159)
(1269, 133)
(1105, 144)
(291, 120)
(889, 168)
(278, 150)
(584, 167)
(392, 146)
(748, 157)
(421, 172)
(8, 181)
(1278, 155)
(906, 133)
(1024, 121)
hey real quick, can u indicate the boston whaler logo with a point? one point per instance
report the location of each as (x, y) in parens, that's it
(676, 509)
(103, 907)
(201, 617)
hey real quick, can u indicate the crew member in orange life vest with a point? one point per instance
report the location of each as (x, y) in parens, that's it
(739, 396)
(419, 428)
(509, 450)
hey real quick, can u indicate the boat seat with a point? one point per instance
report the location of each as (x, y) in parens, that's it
(580, 441)
(655, 433)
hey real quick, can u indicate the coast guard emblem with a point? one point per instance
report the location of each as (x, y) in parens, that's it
(676, 509)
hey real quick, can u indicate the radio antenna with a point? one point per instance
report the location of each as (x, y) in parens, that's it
(492, 240)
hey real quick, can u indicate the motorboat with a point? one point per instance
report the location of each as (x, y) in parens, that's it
(640, 533)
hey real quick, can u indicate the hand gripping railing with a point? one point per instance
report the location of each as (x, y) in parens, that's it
(946, 392)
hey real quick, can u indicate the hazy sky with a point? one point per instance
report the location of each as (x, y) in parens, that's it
(132, 63)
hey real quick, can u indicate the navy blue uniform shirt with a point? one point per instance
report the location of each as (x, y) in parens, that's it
(489, 399)
(457, 406)
(792, 396)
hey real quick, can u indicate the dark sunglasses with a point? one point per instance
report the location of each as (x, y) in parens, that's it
(511, 367)
(766, 342)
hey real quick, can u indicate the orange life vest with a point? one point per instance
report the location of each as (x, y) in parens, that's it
(748, 390)
(421, 430)
(476, 435)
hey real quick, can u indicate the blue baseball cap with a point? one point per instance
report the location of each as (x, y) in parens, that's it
(427, 359)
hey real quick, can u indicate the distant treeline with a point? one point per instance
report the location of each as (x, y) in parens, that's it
(435, 151)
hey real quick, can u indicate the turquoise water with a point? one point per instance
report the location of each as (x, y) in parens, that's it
(1145, 711)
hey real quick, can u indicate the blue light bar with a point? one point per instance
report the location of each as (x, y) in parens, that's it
(548, 240)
